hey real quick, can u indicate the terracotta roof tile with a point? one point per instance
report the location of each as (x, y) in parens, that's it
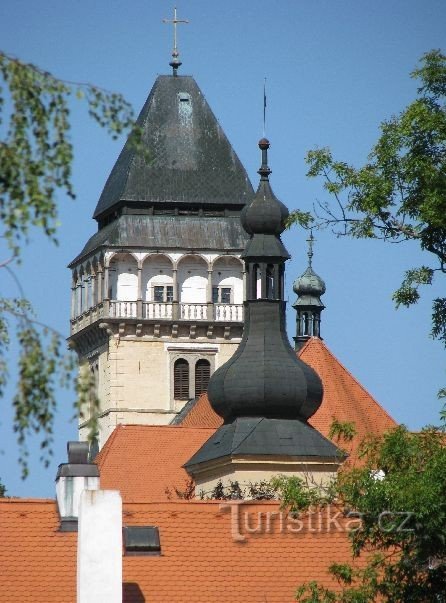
(142, 461)
(37, 561)
(200, 561)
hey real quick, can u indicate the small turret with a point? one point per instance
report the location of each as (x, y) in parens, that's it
(309, 287)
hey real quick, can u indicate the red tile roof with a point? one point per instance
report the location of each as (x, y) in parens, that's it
(142, 461)
(37, 562)
(200, 562)
(344, 398)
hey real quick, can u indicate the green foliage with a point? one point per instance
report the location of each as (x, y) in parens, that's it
(298, 494)
(42, 366)
(36, 156)
(341, 430)
(2, 490)
(36, 153)
(400, 193)
(263, 490)
(402, 534)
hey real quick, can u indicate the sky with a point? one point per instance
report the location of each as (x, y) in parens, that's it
(334, 71)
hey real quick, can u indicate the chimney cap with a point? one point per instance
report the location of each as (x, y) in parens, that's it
(78, 464)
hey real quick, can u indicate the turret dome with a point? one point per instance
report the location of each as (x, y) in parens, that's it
(309, 283)
(265, 214)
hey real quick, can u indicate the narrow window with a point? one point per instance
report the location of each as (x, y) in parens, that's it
(181, 379)
(270, 293)
(158, 294)
(163, 294)
(225, 295)
(202, 375)
(221, 295)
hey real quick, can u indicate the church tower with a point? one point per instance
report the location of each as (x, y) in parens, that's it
(157, 292)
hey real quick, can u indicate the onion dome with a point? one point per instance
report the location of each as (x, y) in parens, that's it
(309, 284)
(265, 378)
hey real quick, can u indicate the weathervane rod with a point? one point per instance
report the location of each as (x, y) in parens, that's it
(264, 108)
(310, 242)
(175, 63)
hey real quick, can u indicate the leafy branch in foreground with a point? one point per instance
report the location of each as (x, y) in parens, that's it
(399, 195)
(36, 153)
(36, 156)
(42, 366)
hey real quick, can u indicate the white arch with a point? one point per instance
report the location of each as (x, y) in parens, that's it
(227, 275)
(156, 272)
(193, 279)
(123, 277)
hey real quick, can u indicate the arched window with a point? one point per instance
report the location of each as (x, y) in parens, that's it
(305, 324)
(270, 293)
(202, 375)
(181, 379)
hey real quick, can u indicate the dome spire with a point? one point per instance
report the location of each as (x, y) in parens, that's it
(310, 241)
(309, 287)
(265, 378)
(175, 62)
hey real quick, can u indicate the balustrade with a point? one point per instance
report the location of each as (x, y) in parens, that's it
(193, 311)
(158, 310)
(228, 312)
(123, 309)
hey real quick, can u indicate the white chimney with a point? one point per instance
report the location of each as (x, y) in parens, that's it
(99, 547)
(72, 479)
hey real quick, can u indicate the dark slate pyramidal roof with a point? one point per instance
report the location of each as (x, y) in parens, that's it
(191, 162)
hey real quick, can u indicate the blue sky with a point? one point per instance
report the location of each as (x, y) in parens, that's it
(334, 71)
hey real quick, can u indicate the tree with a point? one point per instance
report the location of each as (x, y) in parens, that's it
(399, 195)
(36, 157)
(399, 494)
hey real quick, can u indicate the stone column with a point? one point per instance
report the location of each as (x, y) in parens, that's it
(93, 290)
(263, 281)
(139, 293)
(106, 297)
(99, 285)
(175, 303)
(73, 301)
(210, 305)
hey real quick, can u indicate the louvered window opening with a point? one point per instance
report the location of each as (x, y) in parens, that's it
(202, 375)
(181, 379)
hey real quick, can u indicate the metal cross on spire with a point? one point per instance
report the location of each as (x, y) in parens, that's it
(310, 242)
(175, 62)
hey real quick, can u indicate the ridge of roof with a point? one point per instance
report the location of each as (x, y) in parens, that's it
(18, 500)
(103, 453)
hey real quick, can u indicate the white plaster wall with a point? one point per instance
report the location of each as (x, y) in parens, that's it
(193, 279)
(123, 278)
